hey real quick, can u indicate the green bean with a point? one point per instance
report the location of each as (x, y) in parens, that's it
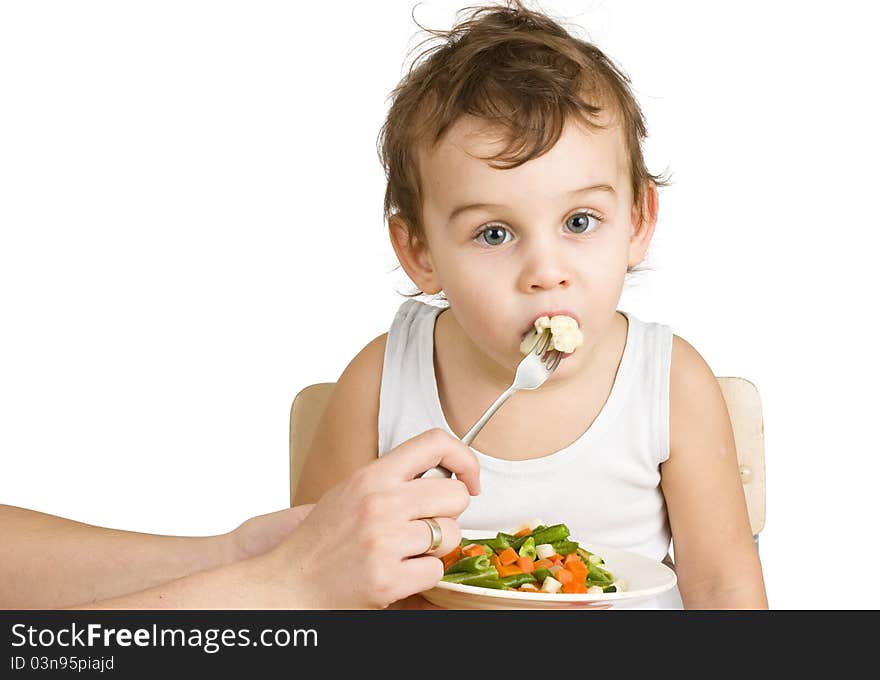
(553, 534)
(502, 541)
(516, 580)
(527, 549)
(565, 547)
(498, 544)
(495, 583)
(473, 564)
(597, 576)
(518, 541)
(468, 576)
(541, 573)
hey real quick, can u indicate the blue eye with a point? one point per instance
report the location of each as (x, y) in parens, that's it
(494, 236)
(579, 223)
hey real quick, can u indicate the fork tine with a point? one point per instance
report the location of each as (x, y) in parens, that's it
(553, 360)
(543, 344)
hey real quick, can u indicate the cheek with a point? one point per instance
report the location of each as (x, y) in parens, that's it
(482, 309)
(469, 278)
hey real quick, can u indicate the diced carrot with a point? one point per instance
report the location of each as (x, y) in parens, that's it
(473, 549)
(543, 564)
(564, 576)
(494, 561)
(508, 556)
(557, 560)
(451, 558)
(574, 587)
(580, 572)
(523, 532)
(575, 565)
(508, 570)
(526, 563)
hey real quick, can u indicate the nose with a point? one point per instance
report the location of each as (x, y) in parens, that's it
(543, 269)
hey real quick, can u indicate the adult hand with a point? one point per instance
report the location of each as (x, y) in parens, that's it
(363, 545)
(260, 534)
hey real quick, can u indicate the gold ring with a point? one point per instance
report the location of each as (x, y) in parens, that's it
(436, 534)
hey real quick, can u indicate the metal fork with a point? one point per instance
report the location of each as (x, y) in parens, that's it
(531, 373)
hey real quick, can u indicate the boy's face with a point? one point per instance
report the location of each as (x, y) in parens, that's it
(539, 244)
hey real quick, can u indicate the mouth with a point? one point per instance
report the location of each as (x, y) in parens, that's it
(551, 314)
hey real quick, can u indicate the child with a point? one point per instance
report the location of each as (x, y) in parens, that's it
(517, 189)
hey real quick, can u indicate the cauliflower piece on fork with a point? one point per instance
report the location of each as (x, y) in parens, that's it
(565, 335)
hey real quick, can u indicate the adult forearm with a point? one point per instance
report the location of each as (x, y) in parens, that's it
(247, 584)
(50, 562)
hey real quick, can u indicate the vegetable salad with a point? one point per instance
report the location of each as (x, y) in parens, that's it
(542, 559)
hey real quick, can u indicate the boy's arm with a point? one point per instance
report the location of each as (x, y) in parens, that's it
(347, 436)
(51, 562)
(716, 559)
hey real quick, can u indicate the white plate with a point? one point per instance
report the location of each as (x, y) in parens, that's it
(643, 578)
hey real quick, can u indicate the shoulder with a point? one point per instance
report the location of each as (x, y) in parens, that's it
(696, 405)
(357, 390)
(365, 369)
(688, 368)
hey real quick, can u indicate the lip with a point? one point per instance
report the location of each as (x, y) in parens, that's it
(551, 314)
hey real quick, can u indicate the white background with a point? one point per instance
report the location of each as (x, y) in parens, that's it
(191, 216)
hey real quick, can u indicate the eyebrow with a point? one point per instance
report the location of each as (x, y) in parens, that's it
(479, 206)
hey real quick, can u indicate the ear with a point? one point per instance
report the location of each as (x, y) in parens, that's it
(643, 229)
(414, 256)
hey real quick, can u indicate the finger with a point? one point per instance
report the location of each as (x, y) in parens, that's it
(419, 574)
(430, 497)
(418, 536)
(429, 449)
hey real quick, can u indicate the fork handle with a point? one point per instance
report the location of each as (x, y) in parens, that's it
(475, 430)
(471, 434)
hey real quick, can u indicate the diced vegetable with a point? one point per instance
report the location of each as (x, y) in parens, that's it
(509, 570)
(508, 556)
(516, 580)
(553, 534)
(564, 576)
(527, 564)
(551, 585)
(495, 583)
(471, 564)
(451, 558)
(467, 576)
(473, 549)
(564, 547)
(574, 587)
(544, 550)
(527, 549)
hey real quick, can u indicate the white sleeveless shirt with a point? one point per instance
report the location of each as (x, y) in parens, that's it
(605, 486)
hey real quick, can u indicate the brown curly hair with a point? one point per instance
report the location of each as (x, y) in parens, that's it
(518, 69)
